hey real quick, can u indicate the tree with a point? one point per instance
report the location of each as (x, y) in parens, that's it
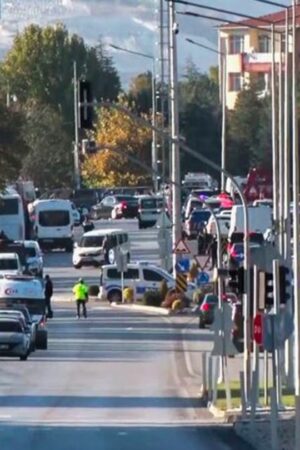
(12, 145)
(249, 138)
(108, 168)
(39, 66)
(200, 118)
(50, 157)
(140, 92)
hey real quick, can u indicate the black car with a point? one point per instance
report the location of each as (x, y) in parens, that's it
(206, 310)
(103, 210)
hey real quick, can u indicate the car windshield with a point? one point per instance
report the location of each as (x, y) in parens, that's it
(91, 241)
(30, 252)
(151, 203)
(8, 264)
(126, 198)
(9, 206)
(54, 218)
(211, 299)
(10, 326)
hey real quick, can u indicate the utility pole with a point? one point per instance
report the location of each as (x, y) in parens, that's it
(76, 141)
(175, 177)
(296, 228)
(274, 137)
(224, 90)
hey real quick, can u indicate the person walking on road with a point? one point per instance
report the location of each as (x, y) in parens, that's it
(80, 291)
(48, 295)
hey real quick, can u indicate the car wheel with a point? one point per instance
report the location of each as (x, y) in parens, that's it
(141, 225)
(201, 324)
(23, 357)
(114, 296)
(77, 266)
(111, 256)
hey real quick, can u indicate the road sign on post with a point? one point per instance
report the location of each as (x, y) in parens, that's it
(181, 248)
(181, 282)
(258, 328)
(202, 278)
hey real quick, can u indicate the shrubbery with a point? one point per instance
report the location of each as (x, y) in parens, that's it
(152, 298)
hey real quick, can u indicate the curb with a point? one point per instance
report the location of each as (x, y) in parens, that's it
(146, 309)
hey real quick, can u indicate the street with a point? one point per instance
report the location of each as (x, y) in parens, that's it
(116, 380)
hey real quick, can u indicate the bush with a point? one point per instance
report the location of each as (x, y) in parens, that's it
(128, 295)
(93, 291)
(152, 298)
(163, 290)
(177, 305)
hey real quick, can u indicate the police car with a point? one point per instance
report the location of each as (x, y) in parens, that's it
(28, 291)
(140, 276)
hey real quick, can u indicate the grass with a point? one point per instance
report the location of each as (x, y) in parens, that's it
(288, 398)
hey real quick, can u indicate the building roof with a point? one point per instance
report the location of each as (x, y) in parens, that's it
(278, 18)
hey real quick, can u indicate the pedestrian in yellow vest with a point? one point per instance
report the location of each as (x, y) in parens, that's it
(81, 294)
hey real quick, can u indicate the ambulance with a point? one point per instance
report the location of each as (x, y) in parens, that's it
(17, 290)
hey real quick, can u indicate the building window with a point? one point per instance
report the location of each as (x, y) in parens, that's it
(236, 44)
(264, 43)
(235, 82)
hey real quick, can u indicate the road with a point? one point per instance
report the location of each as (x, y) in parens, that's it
(116, 380)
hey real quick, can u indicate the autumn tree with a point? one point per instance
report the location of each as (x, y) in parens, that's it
(117, 129)
(140, 92)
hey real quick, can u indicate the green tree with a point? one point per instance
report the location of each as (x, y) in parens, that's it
(12, 145)
(39, 66)
(200, 118)
(50, 157)
(140, 92)
(249, 137)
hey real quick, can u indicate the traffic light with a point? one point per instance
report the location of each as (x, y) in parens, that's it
(269, 289)
(236, 280)
(284, 284)
(86, 112)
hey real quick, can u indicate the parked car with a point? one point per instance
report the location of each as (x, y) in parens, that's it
(126, 209)
(140, 276)
(150, 207)
(195, 222)
(10, 264)
(30, 329)
(34, 258)
(14, 341)
(206, 310)
(103, 209)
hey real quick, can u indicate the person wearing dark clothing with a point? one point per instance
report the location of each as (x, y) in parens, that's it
(48, 295)
(213, 252)
(105, 246)
(87, 225)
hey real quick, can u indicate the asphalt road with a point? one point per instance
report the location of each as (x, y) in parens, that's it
(114, 381)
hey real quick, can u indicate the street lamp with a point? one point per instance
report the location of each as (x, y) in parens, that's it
(154, 137)
(223, 101)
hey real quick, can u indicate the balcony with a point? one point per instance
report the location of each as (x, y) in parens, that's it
(258, 62)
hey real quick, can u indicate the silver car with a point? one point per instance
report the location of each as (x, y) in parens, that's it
(23, 315)
(14, 341)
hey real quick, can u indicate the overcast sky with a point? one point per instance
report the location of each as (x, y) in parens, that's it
(128, 23)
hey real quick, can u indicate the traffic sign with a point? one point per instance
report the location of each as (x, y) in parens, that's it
(202, 278)
(181, 248)
(258, 328)
(181, 282)
(183, 265)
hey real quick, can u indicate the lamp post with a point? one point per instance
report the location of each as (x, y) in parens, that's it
(223, 96)
(153, 88)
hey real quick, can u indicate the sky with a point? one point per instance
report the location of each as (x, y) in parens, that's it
(131, 24)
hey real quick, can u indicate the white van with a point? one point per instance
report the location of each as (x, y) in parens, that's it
(260, 219)
(12, 221)
(99, 247)
(149, 209)
(53, 223)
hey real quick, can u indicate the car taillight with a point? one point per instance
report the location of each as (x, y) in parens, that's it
(205, 307)
(123, 205)
(42, 322)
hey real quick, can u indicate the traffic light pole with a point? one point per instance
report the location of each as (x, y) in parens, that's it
(76, 141)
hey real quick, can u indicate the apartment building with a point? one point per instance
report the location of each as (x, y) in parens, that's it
(247, 47)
